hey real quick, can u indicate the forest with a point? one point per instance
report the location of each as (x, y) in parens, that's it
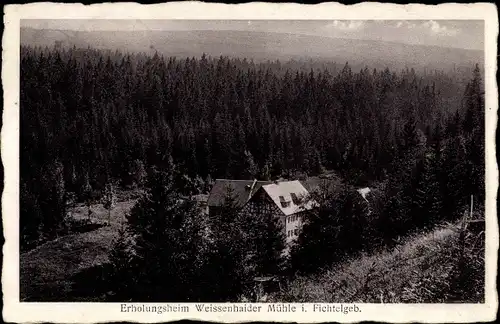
(91, 118)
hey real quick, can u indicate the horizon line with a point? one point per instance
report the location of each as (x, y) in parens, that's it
(250, 31)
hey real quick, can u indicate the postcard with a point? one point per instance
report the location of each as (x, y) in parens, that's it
(249, 162)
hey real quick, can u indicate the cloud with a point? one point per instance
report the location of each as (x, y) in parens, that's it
(405, 23)
(431, 26)
(346, 24)
(435, 28)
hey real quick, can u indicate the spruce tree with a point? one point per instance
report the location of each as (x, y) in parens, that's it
(53, 199)
(426, 200)
(455, 162)
(226, 270)
(109, 200)
(269, 245)
(86, 193)
(138, 173)
(317, 245)
(165, 245)
(474, 125)
(30, 217)
(410, 134)
(250, 166)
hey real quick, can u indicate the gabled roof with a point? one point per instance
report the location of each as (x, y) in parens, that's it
(242, 189)
(281, 192)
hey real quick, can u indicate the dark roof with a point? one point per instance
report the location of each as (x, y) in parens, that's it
(314, 183)
(241, 189)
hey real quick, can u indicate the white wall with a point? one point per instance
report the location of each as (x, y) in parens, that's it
(293, 224)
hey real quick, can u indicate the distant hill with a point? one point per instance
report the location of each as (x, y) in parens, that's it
(259, 46)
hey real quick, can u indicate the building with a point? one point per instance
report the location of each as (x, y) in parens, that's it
(286, 200)
(242, 190)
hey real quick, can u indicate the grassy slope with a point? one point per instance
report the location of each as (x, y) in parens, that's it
(46, 272)
(420, 270)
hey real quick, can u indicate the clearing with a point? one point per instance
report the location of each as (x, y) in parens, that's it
(48, 272)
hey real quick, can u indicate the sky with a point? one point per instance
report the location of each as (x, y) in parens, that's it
(467, 34)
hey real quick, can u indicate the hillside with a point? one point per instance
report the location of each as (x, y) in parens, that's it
(422, 269)
(259, 46)
(54, 270)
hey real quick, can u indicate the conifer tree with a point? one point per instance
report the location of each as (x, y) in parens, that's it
(53, 199)
(410, 134)
(121, 277)
(320, 241)
(265, 172)
(250, 166)
(226, 271)
(138, 173)
(269, 241)
(30, 218)
(109, 200)
(166, 237)
(433, 178)
(455, 183)
(474, 125)
(87, 194)
(426, 201)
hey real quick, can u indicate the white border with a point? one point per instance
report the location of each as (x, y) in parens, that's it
(100, 312)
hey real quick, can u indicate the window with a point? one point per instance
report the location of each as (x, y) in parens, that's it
(283, 202)
(295, 199)
(295, 232)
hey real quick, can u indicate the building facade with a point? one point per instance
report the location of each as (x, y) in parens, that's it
(286, 200)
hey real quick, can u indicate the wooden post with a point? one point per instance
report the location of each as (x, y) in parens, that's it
(465, 219)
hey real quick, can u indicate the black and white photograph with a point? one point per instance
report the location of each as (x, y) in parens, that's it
(252, 161)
